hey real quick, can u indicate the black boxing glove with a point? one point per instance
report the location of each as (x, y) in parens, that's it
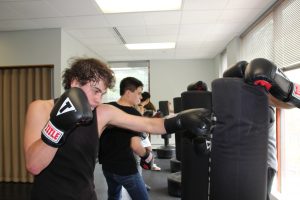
(237, 70)
(147, 160)
(263, 72)
(197, 121)
(70, 110)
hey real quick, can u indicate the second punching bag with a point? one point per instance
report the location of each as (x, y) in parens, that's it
(239, 143)
(194, 163)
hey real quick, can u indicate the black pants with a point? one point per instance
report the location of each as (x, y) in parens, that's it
(271, 174)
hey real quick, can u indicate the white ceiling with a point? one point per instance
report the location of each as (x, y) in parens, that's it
(201, 29)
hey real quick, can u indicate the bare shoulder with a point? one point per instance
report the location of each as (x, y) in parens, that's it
(38, 111)
(103, 116)
(105, 107)
(104, 112)
(37, 116)
(40, 107)
(107, 110)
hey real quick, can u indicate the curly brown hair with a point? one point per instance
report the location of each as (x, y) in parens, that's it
(85, 70)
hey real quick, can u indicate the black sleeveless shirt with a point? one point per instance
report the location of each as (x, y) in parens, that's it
(115, 153)
(70, 175)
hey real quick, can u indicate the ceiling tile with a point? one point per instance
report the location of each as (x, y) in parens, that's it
(200, 17)
(34, 9)
(91, 32)
(72, 22)
(196, 30)
(235, 15)
(125, 19)
(116, 47)
(204, 4)
(137, 39)
(230, 28)
(71, 8)
(161, 18)
(245, 4)
(163, 38)
(100, 41)
(132, 31)
(7, 12)
(163, 30)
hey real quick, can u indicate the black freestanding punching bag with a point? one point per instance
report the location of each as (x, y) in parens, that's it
(166, 151)
(175, 162)
(174, 179)
(164, 107)
(177, 109)
(239, 143)
(194, 164)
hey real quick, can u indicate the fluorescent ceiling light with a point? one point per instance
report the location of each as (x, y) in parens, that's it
(119, 6)
(139, 46)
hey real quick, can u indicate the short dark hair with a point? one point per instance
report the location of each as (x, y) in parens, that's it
(88, 69)
(145, 96)
(130, 83)
(150, 106)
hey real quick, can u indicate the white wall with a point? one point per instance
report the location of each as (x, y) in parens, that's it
(218, 65)
(169, 78)
(71, 48)
(32, 47)
(233, 51)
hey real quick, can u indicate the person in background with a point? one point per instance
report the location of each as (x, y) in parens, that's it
(150, 106)
(118, 147)
(148, 113)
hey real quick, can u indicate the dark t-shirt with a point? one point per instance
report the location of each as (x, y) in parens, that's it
(115, 153)
(70, 175)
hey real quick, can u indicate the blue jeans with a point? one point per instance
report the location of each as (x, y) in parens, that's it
(134, 184)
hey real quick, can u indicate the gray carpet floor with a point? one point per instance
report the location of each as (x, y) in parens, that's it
(157, 180)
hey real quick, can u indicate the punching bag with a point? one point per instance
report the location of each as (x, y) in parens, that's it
(239, 143)
(194, 164)
(178, 134)
(174, 179)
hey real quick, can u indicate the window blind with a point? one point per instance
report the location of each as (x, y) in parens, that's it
(287, 33)
(276, 37)
(259, 41)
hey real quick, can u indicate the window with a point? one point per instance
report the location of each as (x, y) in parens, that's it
(290, 145)
(276, 37)
(259, 41)
(139, 70)
(287, 33)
